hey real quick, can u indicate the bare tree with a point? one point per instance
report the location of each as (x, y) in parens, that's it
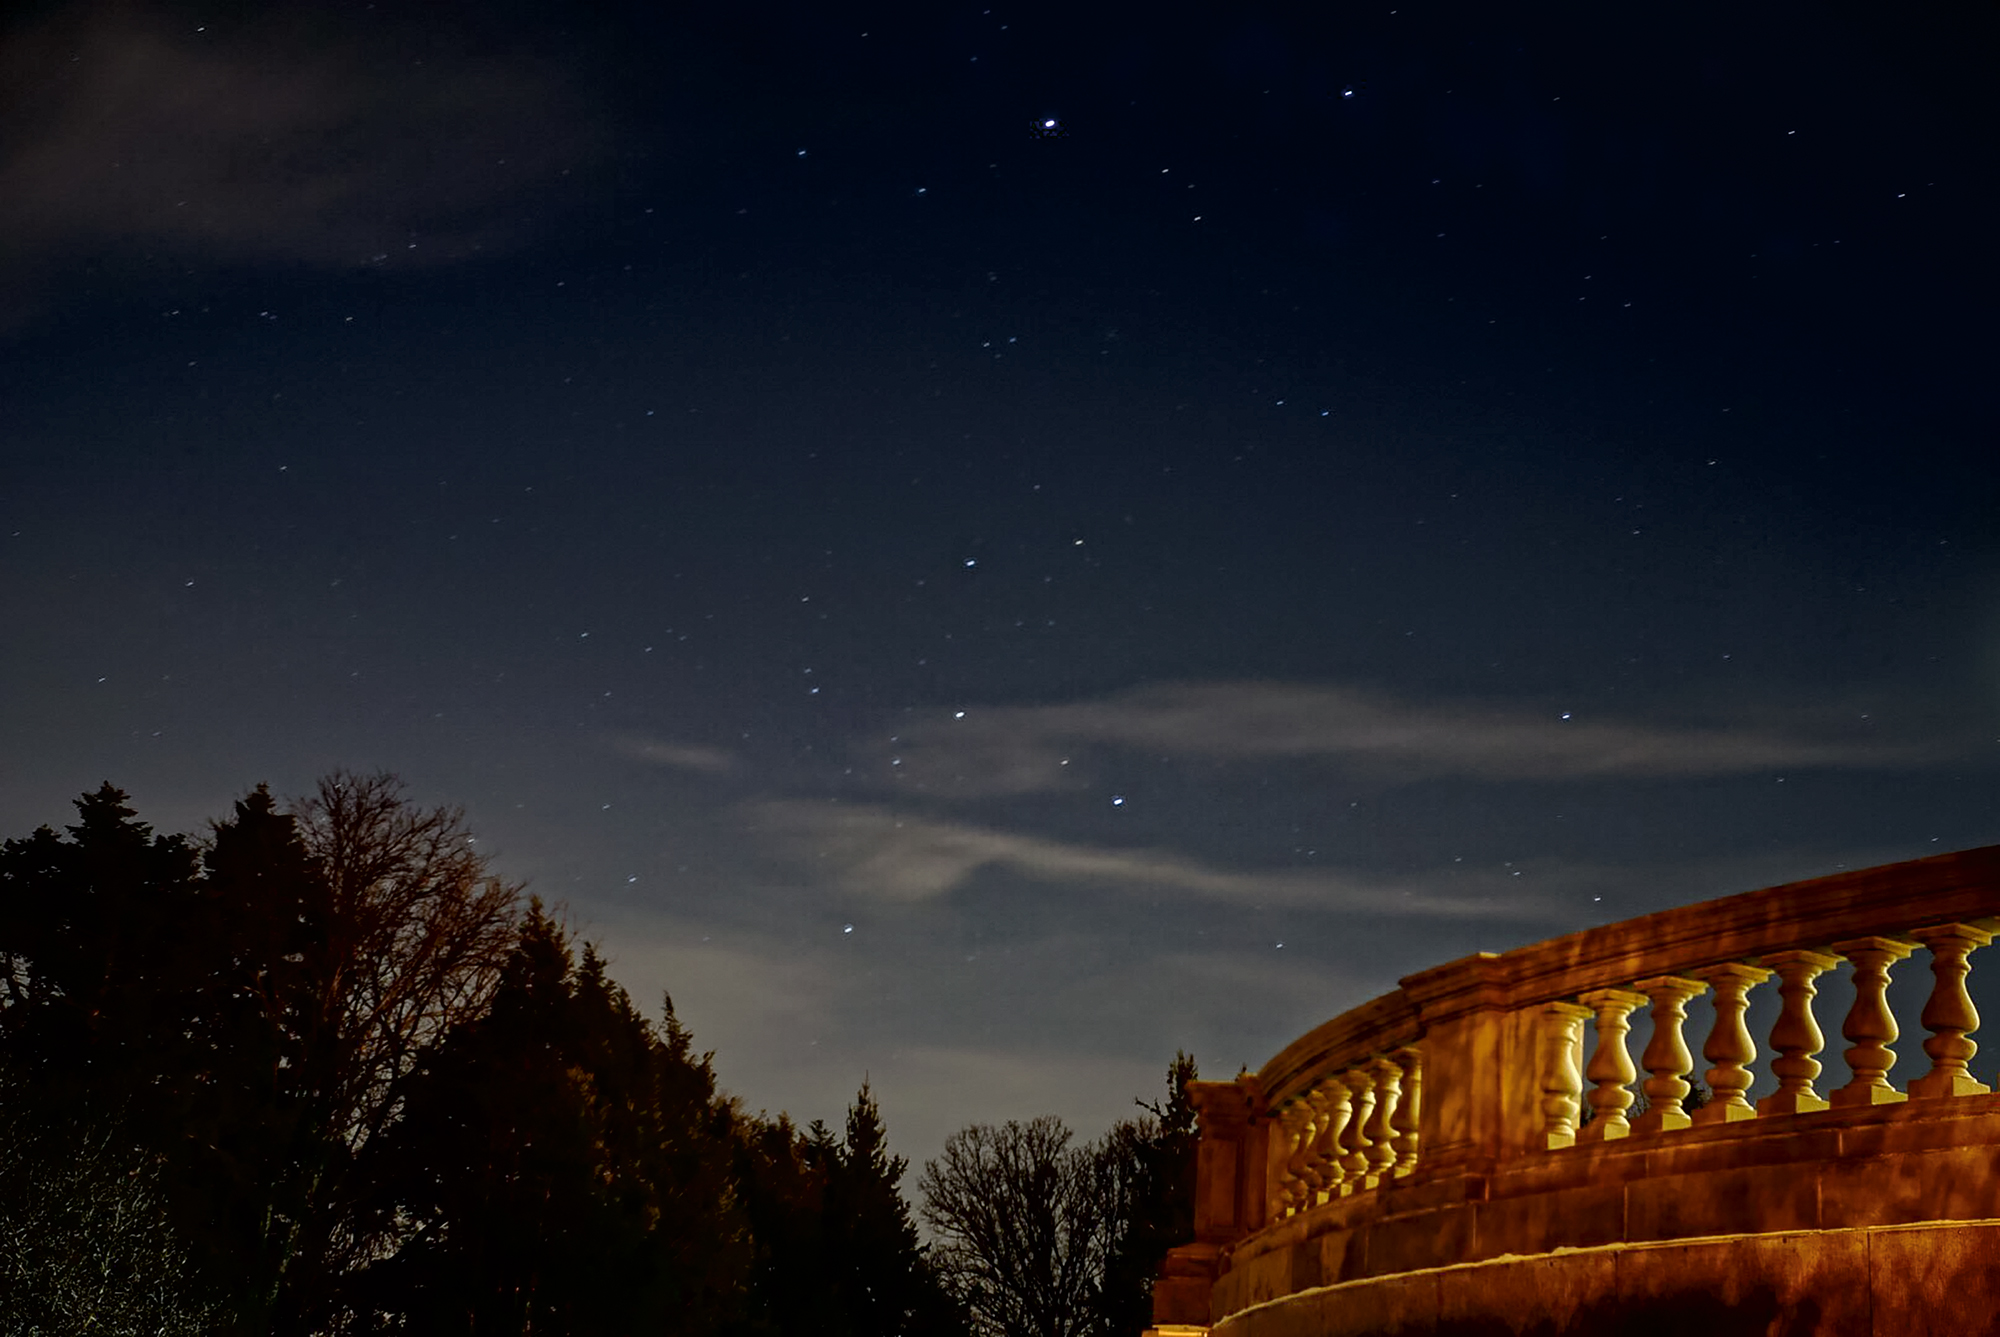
(85, 1240)
(417, 932)
(413, 932)
(1024, 1222)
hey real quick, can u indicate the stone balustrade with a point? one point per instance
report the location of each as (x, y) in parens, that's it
(1485, 1108)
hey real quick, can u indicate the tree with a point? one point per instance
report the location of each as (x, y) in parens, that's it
(837, 1250)
(1045, 1239)
(1153, 1183)
(883, 1280)
(408, 940)
(563, 1167)
(86, 1240)
(253, 1009)
(1024, 1219)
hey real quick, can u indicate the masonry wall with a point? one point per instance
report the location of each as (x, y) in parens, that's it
(1888, 1281)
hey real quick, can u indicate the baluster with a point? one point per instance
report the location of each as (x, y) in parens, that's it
(1870, 1024)
(1666, 1057)
(1796, 1036)
(1326, 1145)
(1949, 1015)
(1285, 1193)
(1311, 1175)
(1355, 1142)
(1562, 1083)
(1729, 1046)
(1382, 1125)
(1410, 1108)
(1610, 1068)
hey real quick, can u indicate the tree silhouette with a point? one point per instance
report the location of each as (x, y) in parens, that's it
(564, 1167)
(1042, 1238)
(321, 1073)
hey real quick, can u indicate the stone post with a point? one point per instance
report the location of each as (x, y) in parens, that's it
(1482, 1091)
(1870, 1024)
(1231, 1169)
(1796, 1035)
(1358, 1163)
(1666, 1058)
(1729, 1046)
(1328, 1171)
(1562, 1080)
(1949, 1015)
(1409, 1110)
(1611, 1071)
(1382, 1127)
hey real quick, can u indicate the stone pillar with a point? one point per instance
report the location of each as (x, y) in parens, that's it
(1870, 1025)
(1562, 1079)
(1482, 1093)
(1290, 1189)
(1729, 1046)
(1231, 1169)
(1409, 1110)
(1666, 1058)
(1796, 1035)
(1382, 1126)
(1327, 1169)
(1949, 1015)
(1360, 1166)
(1610, 1070)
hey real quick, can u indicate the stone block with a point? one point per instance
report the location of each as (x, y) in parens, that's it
(1754, 1200)
(1934, 1279)
(1956, 1184)
(1411, 1243)
(1528, 1295)
(1804, 1285)
(1537, 1222)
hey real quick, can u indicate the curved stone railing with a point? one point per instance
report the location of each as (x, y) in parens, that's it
(1460, 1118)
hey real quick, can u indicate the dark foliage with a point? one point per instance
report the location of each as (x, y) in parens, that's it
(324, 1074)
(1044, 1238)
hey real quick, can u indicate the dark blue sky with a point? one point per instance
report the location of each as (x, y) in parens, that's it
(948, 534)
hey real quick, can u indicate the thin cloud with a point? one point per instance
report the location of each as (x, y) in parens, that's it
(676, 756)
(876, 852)
(298, 135)
(1020, 750)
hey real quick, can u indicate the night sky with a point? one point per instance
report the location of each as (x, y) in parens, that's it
(980, 546)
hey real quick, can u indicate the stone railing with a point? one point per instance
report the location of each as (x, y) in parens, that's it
(1484, 1109)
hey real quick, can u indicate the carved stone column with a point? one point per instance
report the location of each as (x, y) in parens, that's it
(1666, 1057)
(1291, 1190)
(1729, 1046)
(1327, 1170)
(1949, 1015)
(1562, 1082)
(1409, 1110)
(1610, 1068)
(1870, 1024)
(1796, 1036)
(1360, 1168)
(1382, 1124)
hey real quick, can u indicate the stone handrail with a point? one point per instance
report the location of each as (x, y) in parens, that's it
(1401, 1134)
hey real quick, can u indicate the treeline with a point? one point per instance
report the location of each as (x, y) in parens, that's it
(322, 1072)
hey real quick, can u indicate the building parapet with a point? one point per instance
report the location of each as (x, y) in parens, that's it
(1459, 1118)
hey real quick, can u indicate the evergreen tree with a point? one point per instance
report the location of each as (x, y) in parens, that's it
(883, 1280)
(565, 1166)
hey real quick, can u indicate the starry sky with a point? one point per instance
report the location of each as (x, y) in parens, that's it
(979, 546)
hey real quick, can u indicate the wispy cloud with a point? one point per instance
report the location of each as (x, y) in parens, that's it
(1020, 750)
(301, 134)
(877, 852)
(675, 756)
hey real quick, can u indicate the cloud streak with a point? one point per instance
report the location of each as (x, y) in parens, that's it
(880, 853)
(301, 134)
(1023, 750)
